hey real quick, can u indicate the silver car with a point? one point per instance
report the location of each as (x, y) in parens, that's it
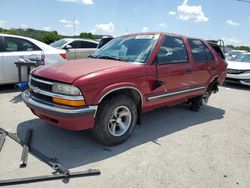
(76, 48)
(238, 70)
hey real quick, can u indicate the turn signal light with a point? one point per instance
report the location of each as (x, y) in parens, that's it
(75, 103)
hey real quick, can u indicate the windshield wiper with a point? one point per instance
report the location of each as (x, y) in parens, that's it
(109, 57)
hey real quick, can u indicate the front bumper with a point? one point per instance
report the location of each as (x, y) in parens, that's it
(239, 78)
(65, 117)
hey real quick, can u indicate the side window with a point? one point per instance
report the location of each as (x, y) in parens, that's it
(76, 44)
(200, 52)
(172, 50)
(12, 44)
(86, 44)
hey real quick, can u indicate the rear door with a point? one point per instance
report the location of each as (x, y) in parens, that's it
(203, 63)
(173, 70)
(14, 49)
(87, 49)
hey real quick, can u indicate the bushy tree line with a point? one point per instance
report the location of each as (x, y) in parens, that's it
(45, 36)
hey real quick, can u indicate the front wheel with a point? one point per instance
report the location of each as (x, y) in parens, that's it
(115, 121)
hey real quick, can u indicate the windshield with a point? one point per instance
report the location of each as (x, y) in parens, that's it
(242, 58)
(59, 43)
(135, 48)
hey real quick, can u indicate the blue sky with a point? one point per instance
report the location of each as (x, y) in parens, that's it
(227, 19)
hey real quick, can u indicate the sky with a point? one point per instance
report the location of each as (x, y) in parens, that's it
(208, 19)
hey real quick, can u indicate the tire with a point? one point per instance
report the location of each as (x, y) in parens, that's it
(198, 102)
(115, 120)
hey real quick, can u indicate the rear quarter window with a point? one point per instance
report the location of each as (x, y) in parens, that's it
(200, 52)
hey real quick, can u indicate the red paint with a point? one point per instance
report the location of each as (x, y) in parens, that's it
(96, 78)
(76, 124)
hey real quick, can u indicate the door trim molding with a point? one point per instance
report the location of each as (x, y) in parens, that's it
(157, 97)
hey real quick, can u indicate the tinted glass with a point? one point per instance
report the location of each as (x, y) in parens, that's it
(200, 52)
(172, 50)
(59, 43)
(88, 44)
(12, 44)
(76, 44)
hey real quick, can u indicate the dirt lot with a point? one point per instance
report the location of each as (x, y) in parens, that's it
(174, 147)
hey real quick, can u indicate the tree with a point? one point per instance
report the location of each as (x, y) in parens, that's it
(86, 35)
(49, 37)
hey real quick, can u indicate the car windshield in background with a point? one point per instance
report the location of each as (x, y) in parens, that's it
(242, 58)
(136, 48)
(59, 43)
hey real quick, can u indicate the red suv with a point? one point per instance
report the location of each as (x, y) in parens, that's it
(130, 75)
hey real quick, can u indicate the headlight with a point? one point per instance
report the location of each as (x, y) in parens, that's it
(66, 89)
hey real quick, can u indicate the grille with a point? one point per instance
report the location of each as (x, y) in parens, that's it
(38, 83)
(41, 97)
(41, 85)
(234, 71)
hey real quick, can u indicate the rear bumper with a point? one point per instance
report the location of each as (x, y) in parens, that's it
(67, 118)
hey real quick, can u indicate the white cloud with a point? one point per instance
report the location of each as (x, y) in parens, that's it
(64, 21)
(163, 24)
(172, 13)
(84, 2)
(191, 12)
(2, 23)
(106, 28)
(69, 24)
(232, 23)
(47, 29)
(24, 26)
(145, 29)
(231, 41)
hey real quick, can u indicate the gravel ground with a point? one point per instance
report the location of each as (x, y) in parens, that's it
(174, 147)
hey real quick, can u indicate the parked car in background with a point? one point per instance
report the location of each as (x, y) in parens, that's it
(76, 48)
(13, 47)
(239, 69)
(104, 40)
(129, 75)
(233, 53)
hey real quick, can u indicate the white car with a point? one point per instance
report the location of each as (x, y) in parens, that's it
(76, 48)
(238, 70)
(13, 47)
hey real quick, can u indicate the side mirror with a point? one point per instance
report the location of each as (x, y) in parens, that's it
(67, 47)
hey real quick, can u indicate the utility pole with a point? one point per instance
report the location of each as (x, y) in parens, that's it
(74, 27)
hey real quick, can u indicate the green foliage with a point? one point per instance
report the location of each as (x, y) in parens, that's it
(87, 35)
(246, 48)
(49, 37)
(46, 36)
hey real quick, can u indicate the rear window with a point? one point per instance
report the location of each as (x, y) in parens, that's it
(217, 48)
(59, 43)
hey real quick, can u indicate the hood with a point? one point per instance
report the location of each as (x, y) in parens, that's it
(238, 65)
(71, 70)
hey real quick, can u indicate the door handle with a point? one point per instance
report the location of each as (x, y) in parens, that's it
(189, 69)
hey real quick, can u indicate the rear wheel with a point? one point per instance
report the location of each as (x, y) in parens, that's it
(116, 119)
(198, 102)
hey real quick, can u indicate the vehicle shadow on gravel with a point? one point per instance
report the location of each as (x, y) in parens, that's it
(74, 149)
